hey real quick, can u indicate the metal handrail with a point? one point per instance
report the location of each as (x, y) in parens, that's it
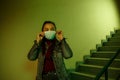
(105, 68)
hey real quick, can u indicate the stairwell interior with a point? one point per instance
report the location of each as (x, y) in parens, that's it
(93, 63)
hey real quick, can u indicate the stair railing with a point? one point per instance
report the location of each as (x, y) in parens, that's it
(105, 68)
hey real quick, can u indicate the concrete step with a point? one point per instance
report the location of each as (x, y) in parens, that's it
(116, 35)
(117, 31)
(81, 76)
(84, 76)
(104, 54)
(102, 62)
(111, 43)
(114, 39)
(93, 70)
(108, 48)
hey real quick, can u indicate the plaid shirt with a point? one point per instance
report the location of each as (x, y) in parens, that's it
(48, 62)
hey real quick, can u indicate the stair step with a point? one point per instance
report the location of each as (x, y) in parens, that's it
(114, 39)
(84, 76)
(81, 76)
(116, 35)
(102, 62)
(117, 31)
(93, 70)
(104, 54)
(108, 48)
(111, 43)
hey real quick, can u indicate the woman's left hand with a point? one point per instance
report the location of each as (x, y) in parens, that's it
(59, 35)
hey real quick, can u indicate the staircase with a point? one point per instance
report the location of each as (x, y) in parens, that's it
(94, 62)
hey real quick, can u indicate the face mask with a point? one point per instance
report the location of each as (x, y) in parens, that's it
(50, 35)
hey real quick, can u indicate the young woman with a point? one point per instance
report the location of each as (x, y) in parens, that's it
(50, 48)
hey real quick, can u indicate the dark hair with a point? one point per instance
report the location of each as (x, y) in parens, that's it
(47, 22)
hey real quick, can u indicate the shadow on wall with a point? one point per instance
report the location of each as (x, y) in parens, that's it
(31, 67)
(118, 6)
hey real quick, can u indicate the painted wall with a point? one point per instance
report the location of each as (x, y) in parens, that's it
(84, 24)
(118, 7)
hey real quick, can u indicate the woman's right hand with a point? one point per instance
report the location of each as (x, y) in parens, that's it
(40, 37)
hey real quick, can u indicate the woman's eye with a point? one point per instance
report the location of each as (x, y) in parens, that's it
(46, 29)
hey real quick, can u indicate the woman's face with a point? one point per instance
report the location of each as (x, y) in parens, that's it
(48, 27)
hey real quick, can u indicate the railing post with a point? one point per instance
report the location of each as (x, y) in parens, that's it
(106, 74)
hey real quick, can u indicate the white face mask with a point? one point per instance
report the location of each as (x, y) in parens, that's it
(50, 35)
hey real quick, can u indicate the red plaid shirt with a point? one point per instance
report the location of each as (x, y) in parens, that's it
(48, 62)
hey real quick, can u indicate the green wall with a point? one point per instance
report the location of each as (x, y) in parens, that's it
(84, 23)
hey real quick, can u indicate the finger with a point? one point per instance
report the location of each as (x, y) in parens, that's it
(41, 34)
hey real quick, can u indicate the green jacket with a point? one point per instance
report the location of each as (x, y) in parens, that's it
(61, 50)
